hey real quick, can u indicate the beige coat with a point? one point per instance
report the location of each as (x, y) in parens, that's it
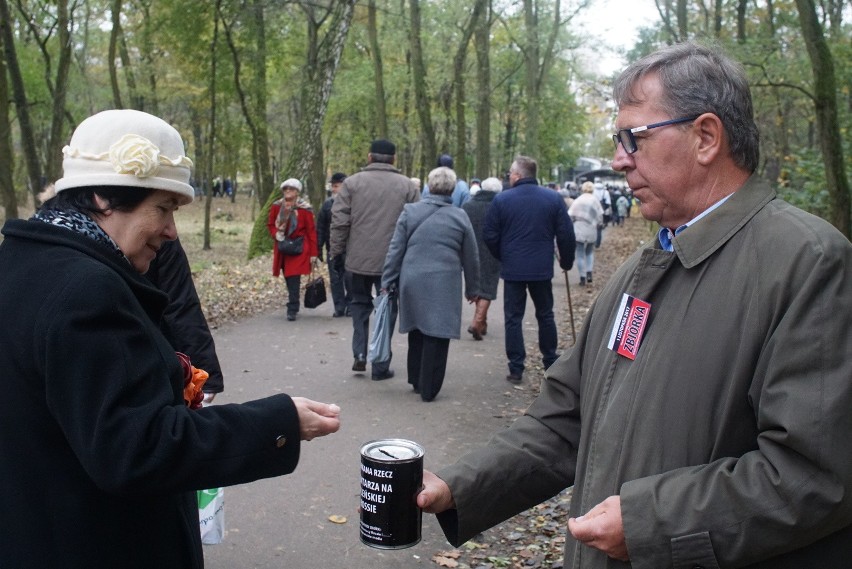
(364, 214)
(729, 437)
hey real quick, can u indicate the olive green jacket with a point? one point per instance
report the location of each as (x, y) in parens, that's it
(729, 437)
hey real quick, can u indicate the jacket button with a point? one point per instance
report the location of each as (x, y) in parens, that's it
(281, 441)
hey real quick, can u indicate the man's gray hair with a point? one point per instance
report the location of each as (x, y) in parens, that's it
(442, 181)
(525, 166)
(698, 79)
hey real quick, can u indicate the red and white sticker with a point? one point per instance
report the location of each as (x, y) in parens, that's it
(629, 325)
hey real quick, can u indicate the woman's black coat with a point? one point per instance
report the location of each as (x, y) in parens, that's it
(100, 456)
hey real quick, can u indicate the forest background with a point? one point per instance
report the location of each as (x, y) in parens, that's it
(264, 90)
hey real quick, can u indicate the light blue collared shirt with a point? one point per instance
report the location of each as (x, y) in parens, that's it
(665, 234)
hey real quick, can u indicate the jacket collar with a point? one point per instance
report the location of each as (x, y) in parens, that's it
(379, 166)
(153, 300)
(704, 238)
(525, 182)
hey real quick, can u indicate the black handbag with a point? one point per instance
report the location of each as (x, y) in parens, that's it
(315, 292)
(290, 246)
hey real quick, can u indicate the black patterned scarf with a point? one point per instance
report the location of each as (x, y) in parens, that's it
(78, 223)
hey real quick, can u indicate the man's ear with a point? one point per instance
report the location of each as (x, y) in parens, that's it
(711, 138)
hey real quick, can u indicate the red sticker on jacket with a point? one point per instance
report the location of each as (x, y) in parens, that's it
(629, 325)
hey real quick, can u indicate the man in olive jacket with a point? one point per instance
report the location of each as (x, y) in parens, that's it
(703, 416)
(363, 219)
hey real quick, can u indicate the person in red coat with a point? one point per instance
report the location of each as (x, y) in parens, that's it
(292, 217)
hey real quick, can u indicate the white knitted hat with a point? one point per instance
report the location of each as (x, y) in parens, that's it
(126, 148)
(291, 183)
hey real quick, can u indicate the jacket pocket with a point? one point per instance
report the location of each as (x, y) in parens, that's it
(694, 551)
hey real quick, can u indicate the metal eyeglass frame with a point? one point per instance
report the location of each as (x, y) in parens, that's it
(628, 141)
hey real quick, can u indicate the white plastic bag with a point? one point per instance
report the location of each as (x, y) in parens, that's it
(380, 334)
(211, 515)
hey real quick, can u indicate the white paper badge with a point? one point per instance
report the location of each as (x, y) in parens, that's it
(629, 325)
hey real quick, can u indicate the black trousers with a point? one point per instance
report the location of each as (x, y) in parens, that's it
(427, 363)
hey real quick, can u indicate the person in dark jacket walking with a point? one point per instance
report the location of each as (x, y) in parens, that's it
(184, 321)
(519, 230)
(489, 266)
(102, 434)
(340, 295)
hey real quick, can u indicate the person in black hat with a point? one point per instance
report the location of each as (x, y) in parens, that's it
(363, 219)
(340, 295)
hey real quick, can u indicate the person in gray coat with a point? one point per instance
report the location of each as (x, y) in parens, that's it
(431, 246)
(489, 265)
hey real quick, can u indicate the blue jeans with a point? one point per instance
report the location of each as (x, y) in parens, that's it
(585, 256)
(361, 309)
(514, 305)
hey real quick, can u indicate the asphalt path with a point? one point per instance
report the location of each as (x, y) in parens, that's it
(284, 522)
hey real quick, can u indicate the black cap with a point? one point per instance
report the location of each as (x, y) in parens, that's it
(445, 160)
(382, 146)
(337, 177)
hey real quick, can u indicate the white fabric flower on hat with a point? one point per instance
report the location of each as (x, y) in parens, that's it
(136, 155)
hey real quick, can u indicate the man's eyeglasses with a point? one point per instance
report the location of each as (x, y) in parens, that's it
(628, 141)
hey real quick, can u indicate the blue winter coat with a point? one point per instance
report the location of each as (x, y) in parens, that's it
(520, 228)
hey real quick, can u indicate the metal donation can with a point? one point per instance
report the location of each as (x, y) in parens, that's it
(391, 477)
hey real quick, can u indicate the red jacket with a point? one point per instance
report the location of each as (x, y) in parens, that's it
(295, 264)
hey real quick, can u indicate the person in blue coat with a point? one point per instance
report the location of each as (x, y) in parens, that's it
(520, 228)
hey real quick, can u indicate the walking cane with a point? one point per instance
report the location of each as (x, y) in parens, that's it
(570, 309)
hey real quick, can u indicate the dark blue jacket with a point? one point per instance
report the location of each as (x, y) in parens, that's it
(520, 228)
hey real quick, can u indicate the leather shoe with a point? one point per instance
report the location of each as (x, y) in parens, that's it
(360, 363)
(291, 317)
(337, 314)
(515, 378)
(386, 375)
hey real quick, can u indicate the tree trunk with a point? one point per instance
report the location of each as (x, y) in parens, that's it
(741, 20)
(112, 52)
(21, 105)
(531, 70)
(372, 30)
(421, 97)
(825, 101)
(8, 199)
(53, 161)
(211, 146)
(682, 19)
(309, 133)
(483, 93)
(458, 86)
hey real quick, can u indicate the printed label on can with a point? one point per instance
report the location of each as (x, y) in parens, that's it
(391, 477)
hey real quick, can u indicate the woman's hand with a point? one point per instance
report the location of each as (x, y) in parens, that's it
(316, 419)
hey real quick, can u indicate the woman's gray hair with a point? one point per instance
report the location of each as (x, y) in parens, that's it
(698, 79)
(492, 185)
(442, 181)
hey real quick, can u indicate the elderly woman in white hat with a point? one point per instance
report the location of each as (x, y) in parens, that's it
(100, 432)
(291, 223)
